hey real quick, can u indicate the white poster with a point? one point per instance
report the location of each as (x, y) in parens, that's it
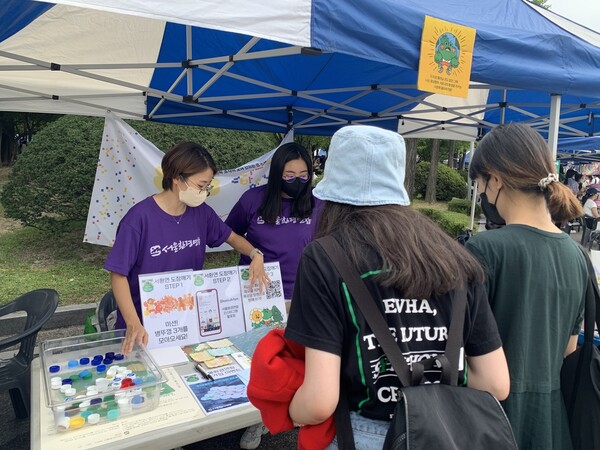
(129, 170)
(169, 309)
(190, 307)
(266, 308)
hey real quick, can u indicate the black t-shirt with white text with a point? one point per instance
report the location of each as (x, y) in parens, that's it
(324, 317)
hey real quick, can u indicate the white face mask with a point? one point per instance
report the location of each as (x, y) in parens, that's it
(192, 197)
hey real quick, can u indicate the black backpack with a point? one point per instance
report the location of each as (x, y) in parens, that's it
(428, 416)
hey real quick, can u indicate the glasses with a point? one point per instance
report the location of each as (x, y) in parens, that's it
(292, 178)
(207, 188)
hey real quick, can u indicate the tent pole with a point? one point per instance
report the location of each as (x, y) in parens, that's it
(473, 191)
(503, 111)
(554, 122)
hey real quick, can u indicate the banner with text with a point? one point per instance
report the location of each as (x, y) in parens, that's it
(129, 170)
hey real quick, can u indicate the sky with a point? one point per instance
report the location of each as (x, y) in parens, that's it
(584, 12)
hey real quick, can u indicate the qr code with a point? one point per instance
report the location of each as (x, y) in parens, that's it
(274, 290)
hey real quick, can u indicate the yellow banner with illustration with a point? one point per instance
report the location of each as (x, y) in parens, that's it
(446, 57)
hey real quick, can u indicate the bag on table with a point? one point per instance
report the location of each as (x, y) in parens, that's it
(428, 416)
(580, 376)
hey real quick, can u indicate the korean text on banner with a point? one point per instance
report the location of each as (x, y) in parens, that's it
(446, 57)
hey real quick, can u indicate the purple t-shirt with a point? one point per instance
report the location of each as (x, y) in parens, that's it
(281, 241)
(149, 240)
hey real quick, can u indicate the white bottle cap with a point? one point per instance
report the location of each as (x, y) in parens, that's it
(64, 388)
(70, 392)
(93, 419)
(55, 384)
(124, 405)
(63, 423)
(55, 379)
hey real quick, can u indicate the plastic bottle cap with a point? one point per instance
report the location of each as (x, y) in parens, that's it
(84, 361)
(77, 422)
(73, 363)
(119, 357)
(110, 355)
(113, 414)
(107, 361)
(63, 423)
(70, 392)
(101, 368)
(96, 401)
(137, 401)
(96, 362)
(98, 357)
(56, 379)
(67, 381)
(84, 405)
(55, 384)
(54, 369)
(137, 381)
(85, 374)
(64, 388)
(93, 419)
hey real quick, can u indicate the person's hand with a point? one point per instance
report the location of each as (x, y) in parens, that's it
(258, 274)
(135, 333)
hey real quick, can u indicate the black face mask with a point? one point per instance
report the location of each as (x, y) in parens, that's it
(294, 188)
(490, 211)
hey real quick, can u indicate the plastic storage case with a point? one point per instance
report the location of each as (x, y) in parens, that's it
(87, 381)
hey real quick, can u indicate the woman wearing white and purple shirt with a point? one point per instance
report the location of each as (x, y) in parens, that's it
(280, 220)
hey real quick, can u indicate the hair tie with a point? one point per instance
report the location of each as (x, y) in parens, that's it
(544, 182)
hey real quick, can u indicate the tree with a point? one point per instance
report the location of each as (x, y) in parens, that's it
(51, 183)
(16, 130)
(433, 168)
(411, 163)
(451, 150)
(542, 3)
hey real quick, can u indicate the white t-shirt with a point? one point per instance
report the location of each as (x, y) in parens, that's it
(587, 207)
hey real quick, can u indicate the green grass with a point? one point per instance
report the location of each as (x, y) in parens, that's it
(31, 259)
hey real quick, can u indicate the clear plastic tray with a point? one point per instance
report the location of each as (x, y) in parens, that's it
(100, 391)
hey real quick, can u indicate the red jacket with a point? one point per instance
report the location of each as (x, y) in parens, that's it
(276, 373)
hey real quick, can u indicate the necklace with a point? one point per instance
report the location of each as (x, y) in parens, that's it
(178, 219)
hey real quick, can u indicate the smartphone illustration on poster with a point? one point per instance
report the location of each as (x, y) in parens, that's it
(209, 312)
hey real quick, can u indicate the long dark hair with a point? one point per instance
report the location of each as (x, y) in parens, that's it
(303, 204)
(416, 256)
(522, 158)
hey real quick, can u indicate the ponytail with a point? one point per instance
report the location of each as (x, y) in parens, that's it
(562, 203)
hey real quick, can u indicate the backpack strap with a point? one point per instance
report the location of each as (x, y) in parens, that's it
(379, 326)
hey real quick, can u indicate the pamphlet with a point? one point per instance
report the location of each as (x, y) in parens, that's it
(219, 394)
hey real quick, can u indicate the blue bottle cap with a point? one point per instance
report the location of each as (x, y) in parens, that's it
(95, 362)
(54, 369)
(119, 357)
(84, 374)
(67, 381)
(95, 401)
(101, 368)
(107, 361)
(137, 399)
(73, 363)
(137, 381)
(98, 357)
(110, 355)
(84, 361)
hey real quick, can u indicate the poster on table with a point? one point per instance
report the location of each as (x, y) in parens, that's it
(266, 308)
(188, 307)
(169, 309)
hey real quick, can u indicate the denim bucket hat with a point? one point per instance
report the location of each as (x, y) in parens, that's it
(365, 167)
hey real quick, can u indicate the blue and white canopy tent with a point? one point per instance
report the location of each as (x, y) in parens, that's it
(580, 150)
(313, 65)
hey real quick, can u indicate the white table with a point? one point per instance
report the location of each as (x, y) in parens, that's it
(177, 421)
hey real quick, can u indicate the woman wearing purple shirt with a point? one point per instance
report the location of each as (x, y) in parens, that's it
(170, 231)
(279, 219)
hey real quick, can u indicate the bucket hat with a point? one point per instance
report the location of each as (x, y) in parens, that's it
(365, 167)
